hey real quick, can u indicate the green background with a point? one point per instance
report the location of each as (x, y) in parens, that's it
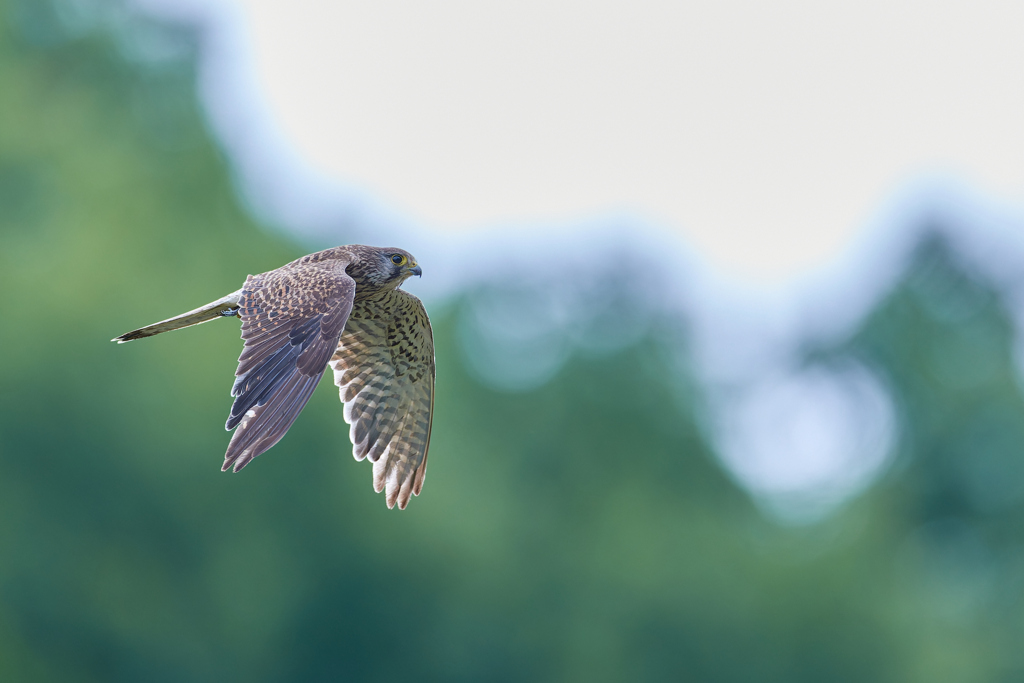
(583, 531)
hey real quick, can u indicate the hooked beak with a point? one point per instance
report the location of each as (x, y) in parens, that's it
(417, 271)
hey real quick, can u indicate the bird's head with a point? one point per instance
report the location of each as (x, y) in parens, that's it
(383, 267)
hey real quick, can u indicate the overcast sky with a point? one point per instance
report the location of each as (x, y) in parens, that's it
(765, 134)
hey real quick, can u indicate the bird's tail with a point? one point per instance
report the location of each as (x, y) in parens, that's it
(223, 307)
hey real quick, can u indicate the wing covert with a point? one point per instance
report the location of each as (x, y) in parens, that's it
(291, 322)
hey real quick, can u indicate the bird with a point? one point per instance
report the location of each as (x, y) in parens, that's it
(343, 308)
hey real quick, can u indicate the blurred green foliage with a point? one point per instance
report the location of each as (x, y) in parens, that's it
(582, 531)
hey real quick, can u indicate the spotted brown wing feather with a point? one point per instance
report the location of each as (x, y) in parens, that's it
(292, 319)
(384, 369)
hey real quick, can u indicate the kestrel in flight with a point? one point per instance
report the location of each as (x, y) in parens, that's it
(340, 307)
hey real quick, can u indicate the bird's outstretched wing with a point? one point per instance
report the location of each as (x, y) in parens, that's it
(384, 369)
(292, 319)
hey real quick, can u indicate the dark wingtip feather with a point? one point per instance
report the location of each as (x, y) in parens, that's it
(236, 461)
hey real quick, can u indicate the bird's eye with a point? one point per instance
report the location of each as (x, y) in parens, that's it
(398, 259)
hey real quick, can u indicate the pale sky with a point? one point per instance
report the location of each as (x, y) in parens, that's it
(764, 134)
